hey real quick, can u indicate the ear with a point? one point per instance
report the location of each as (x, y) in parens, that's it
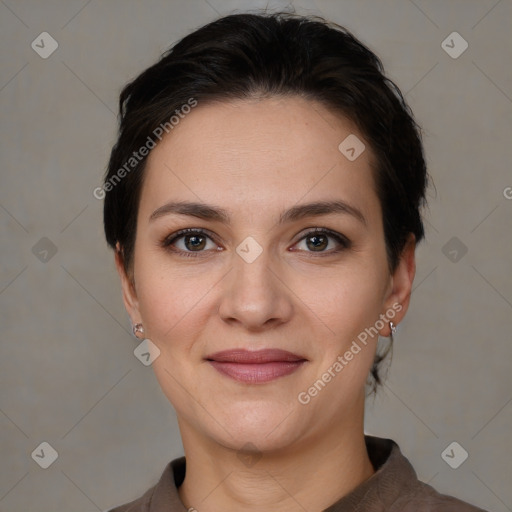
(130, 300)
(401, 284)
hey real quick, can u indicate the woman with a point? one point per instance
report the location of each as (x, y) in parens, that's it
(263, 200)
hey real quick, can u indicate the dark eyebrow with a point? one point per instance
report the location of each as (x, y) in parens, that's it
(208, 212)
(321, 208)
(201, 210)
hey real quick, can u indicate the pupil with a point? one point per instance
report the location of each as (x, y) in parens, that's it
(320, 241)
(196, 241)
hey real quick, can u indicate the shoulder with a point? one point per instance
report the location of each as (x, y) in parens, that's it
(424, 498)
(162, 496)
(396, 488)
(139, 505)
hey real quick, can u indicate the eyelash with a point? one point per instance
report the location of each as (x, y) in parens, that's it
(167, 242)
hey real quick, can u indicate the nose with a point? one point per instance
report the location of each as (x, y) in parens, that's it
(255, 294)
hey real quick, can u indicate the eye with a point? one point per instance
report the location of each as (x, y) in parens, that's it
(318, 240)
(188, 241)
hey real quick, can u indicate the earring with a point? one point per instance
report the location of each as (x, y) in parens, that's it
(392, 327)
(138, 329)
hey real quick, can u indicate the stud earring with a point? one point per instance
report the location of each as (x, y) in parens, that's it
(392, 327)
(138, 329)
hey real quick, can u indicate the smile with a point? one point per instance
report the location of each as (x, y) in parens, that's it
(256, 366)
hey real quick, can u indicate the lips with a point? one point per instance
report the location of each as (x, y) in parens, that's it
(255, 356)
(255, 366)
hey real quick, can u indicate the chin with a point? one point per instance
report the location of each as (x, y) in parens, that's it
(266, 426)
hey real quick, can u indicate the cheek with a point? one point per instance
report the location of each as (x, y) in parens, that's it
(343, 301)
(350, 309)
(173, 299)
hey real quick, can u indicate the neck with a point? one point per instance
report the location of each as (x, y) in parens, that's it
(310, 475)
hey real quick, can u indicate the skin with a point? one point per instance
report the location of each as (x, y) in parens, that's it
(256, 158)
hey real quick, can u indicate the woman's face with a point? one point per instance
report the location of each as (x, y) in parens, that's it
(258, 278)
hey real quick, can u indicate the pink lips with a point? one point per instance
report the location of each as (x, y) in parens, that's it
(255, 366)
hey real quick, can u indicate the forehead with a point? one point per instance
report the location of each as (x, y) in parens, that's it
(261, 153)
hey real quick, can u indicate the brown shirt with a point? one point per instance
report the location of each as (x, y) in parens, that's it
(394, 487)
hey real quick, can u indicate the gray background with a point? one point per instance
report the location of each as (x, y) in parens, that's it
(67, 371)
